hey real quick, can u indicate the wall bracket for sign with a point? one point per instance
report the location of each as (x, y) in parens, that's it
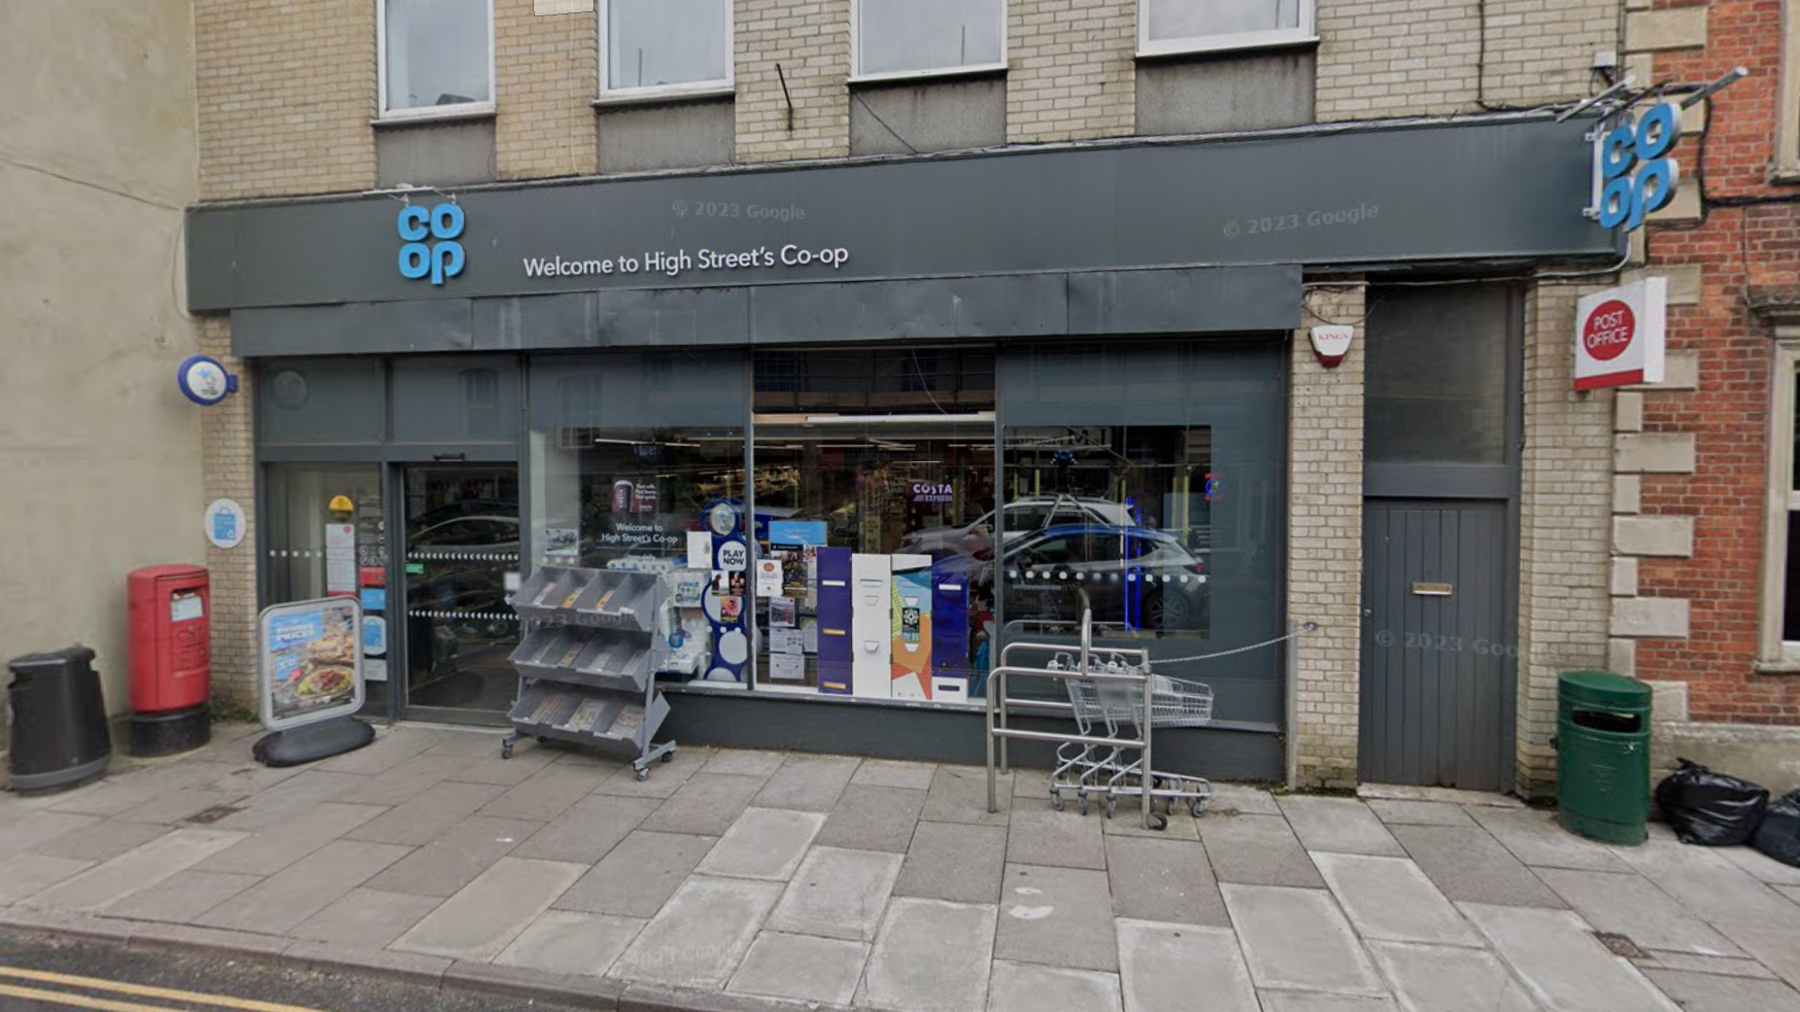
(310, 680)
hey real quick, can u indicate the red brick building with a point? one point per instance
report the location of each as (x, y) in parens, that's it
(1702, 517)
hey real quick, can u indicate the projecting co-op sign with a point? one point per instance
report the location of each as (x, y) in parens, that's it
(1633, 173)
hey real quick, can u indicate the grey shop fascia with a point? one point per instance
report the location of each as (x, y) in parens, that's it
(1128, 241)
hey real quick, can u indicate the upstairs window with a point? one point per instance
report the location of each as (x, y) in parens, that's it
(437, 57)
(650, 47)
(1182, 26)
(905, 38)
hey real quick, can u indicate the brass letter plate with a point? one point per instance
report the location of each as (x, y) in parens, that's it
(1432, 589)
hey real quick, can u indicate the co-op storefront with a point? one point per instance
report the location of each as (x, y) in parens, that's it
(1052, 380)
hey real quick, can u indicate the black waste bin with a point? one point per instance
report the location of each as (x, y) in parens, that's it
(59, 734)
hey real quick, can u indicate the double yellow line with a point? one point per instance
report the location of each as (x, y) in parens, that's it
(190, 998)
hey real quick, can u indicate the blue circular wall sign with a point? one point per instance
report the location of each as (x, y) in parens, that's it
(204, 380)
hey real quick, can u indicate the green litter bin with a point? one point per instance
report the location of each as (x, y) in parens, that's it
(1603, 755)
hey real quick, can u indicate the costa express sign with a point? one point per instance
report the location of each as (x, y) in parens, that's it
(1619, 335)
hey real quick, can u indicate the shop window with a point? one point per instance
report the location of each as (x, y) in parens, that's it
(1180, 26)
(625, 468)
(1436, 375)
(436, 57)
(895, 38)
(873, 499)
(1781, 588)
(455, 399)
(313, 549)
(649, 47)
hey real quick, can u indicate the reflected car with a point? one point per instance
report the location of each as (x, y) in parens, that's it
(1134, 576)
(1023, 517)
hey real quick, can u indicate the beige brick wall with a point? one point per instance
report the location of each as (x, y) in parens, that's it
(1382, 58)
(1565, 528)
(811, 42)
(286, 91)
(1325, 461)
(547, 70)
(228, 466)
(1071, 69)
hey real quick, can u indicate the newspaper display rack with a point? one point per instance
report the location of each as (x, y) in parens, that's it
(593, 643)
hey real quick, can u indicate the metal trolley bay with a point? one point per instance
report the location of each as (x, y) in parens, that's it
(1117, 702)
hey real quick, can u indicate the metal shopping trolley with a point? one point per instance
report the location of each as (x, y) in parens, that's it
(1115, 709)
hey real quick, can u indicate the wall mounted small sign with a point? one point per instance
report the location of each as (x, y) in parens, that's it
(204, 380)
(1619, 335)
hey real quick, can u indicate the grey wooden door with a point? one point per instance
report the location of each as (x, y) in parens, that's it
(1437, 660)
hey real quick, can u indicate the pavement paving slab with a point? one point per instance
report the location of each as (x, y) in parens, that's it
(1633, 906)
(701, 935)
(1046, 836)
(564, 941)
(427, 815)
(544, 796)
(1162, 880)
(1299, 939)
(1561, 962)
(303, 831)
(837, 893)
(886, 773)
(1257, 850)
(706, 805)
(930, 956)
(765, 843)
(182, 896)
(955, 862)
(1057, 917)
(807, 783)
(589, 830)
(366, 919)
(489, 913)
(1032, 987)
(1535, 838)
(1761, 866)
(1720, 965)
(1710, 886)
(1389, 898)
(639, 875)
(309, 885)
(1469, 865)
(453, 860)
(279, 804)
(1774, 947)
(23, 875)
(664, 780)
(1704, 992)
(501, 772)
(1242, 799)
(1419, 813)
(801, 968)
(20, 833)
(102, 840)
(1437, 978)
(1314, 1001)
(874, 818)
(959, 794)
(391, 747)
(135, 870)
(1176, 967)
(1338, 825)
(740, 762)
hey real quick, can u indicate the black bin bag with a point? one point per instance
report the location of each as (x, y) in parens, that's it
(1710, 809)
(1779, 834)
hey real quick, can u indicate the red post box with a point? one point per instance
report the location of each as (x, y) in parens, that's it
(171, 659)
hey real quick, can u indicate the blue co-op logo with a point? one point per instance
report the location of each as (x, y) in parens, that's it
(420, 257)
(1634, 174)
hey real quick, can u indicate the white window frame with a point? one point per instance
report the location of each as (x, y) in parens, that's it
(1782, 499)
(1786, 163)
(858, 77)
(691, 89)
(1306, 32)
(461, 110)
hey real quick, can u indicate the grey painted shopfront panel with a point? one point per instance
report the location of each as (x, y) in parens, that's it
(1193, 301)
(1502, 187)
